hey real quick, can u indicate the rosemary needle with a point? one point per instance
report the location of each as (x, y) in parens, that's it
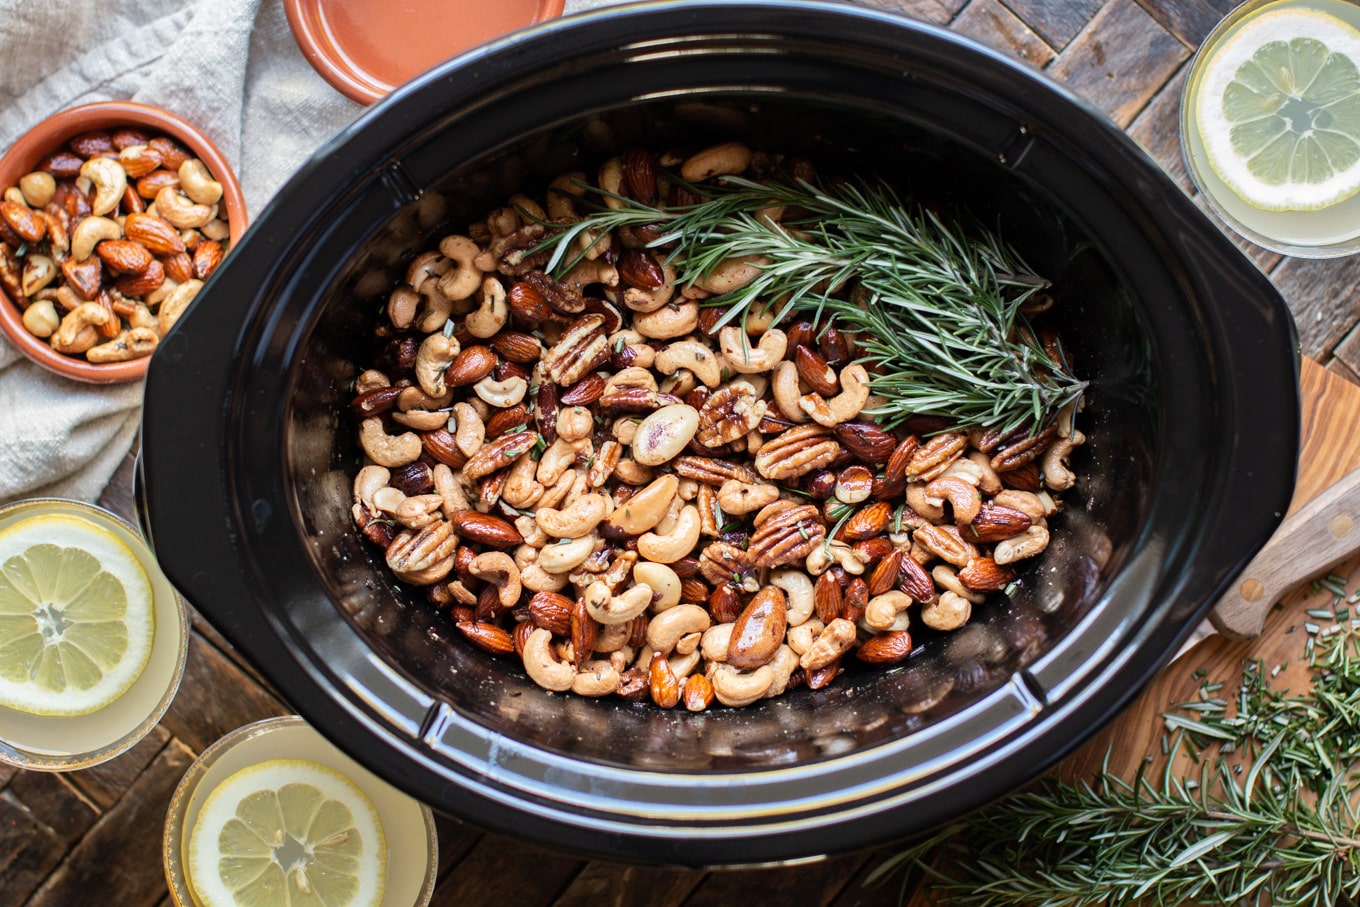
(935, 309)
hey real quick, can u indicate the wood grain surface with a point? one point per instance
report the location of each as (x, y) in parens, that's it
(93, 836)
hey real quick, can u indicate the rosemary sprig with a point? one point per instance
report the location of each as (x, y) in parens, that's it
(935, 310)
(1285, 833)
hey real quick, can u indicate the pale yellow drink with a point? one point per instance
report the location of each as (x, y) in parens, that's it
(1320, 231)
(66, 742)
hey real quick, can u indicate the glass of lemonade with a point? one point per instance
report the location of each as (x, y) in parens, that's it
(1270, 124)
(40, 730)
(406, 825)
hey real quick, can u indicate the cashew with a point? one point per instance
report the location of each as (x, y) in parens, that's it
(650, 300)
(420, 419)
(798, 586)
(497, 568)
(600, 678)
(784, 663)
(920, 501)
(542, 666)
(449, 488)
(610, 181)
(665, 629)
(608, 608)
(520, 489)
(173, 305)
(562, 194)
(41, 318)
(388, 450)
(715, 640)
(614, 638)
(987, 481)
(679, 542)
(682, 662)
(491, 312)
(663, 581)
(535, 578)
(887, 611)
(692, 355)
(556, 460)
(368, 482)
(137, 343)
(948, 612)
(580, 518)
(963, 497)
(832, 643)
(469, 433)
(415, 512)
(88, 234)
(1027, 502)
(589, 271)
(503, 394)
(823, 556)
(109, 180)
(462, 281)
(180, 212)
(946, 577)
(735, 688)
(844, 406)
(632, 472)
(388, 500)
(401, 307)
(426, 267)
(198, 183)
(737, 497)
(559, 491)
(575, 423)
(668, 321)
(567, 554)
(729, 158)
(644, 509)
(787, 393)
(1027, 544)
(1054, 463)
(746, 359)
(433, 359)
(77, 333)
(37, 188)
(801, 637)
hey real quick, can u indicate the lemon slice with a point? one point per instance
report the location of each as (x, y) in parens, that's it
(1278, 110)
(287, 833)
(76, 618)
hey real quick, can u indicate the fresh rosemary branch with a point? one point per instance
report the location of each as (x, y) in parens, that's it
(935, 310)
(1285, 833)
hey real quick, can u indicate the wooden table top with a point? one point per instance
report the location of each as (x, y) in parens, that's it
(96, 834)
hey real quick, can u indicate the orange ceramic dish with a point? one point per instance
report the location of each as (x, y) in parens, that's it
(52, 134)
(365, 48)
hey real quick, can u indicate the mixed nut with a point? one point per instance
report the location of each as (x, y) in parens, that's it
(592, 480)
(108, 240)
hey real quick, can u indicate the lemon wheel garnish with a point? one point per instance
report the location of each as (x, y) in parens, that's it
(76, 616)
(287, 833)
(1278, 110)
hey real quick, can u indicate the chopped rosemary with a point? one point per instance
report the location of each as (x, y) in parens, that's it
(936, 310)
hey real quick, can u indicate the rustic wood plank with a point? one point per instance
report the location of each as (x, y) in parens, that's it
(996, 26)
(7, 771)
(1348, 352)
(106, 782)
(1157, 129)
(602, 884)
(1341, 369)
(1324, 296)
(785, 886)
(1120, 60)
(215, 697)
(120, 858)
(936, 11)
(890, 893)
(1191, 22)
(28, 850)
(456, 839)
(1057, 21)
(56, 803)
(497, 871)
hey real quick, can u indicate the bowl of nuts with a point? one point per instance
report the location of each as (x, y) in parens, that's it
(720, 432)
(112, 217)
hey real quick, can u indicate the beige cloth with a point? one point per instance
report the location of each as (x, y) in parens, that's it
(229, 66)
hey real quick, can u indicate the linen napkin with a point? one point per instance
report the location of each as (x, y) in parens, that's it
(232, 68)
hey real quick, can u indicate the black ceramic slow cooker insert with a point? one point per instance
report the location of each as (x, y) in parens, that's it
(248, 451)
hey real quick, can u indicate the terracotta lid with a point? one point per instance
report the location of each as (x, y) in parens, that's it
(365, 48)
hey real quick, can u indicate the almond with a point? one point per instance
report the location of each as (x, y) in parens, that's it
(517, 347)
(139, 160)
(820, 677)
(487, 637)
(827, 598)
(23, 220)
(92, 144)
(172, 153)
(207, 257)
(724, 604)
(527, 303)
(124, 256)
(982, 574)
(813, 369)
(698, 693)
(150, 186)
(138, 285)
(552, 612)
(913, 579)
(486, 529)
(583, 392)
(470, 366)
(179, 267)
(995, 523)
(639, 175)
(885, 648)
(157, 235)
(867, 522)
(127, 136)
(504, 420)
(664, 686)
(869, 443)
(694, 591)
(63, 165)
(638, 268)
(584, 631)
(885, 574)
(856, 599)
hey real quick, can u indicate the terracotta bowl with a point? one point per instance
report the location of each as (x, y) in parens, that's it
(52, 133)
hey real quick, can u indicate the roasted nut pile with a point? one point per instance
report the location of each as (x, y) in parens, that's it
(106, 243)
(592, 482)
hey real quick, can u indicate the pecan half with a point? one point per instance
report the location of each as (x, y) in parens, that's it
(582, 349)
(796, 452)
(712, 472)
(728, 414)
(786, 537)
(1024, 449)
(935, 455)
(722, 563)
